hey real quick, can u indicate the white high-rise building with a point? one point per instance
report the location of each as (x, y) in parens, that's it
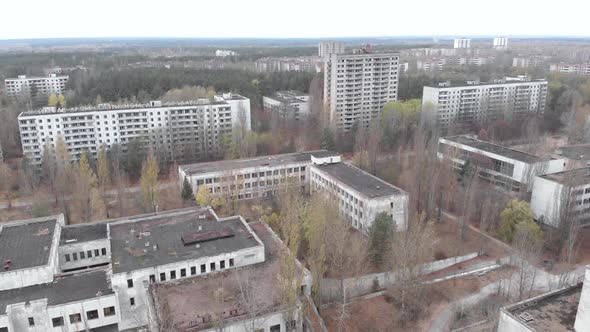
(472, 103)
(462, 43)
(27, 86)
(330, 47)
(185, 129)
(356, 86)
(500, 43)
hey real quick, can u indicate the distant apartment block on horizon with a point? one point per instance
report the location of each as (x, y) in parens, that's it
(500, 43)
(33, 86)
(183, 129)
(303, 63)
(571, 68)
(330, 47)
(462, 43)
(469, 103)
(357, 86)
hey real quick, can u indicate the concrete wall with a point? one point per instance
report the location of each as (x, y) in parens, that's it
(583, 315)
(331, 288)
(85, 247)
(545, 201)
(137, 315)
(262, 323)
(18, 315)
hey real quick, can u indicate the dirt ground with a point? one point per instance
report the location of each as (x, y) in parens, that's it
(381, 313)
(450, 244)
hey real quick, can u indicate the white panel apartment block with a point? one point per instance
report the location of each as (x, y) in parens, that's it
(357, 86)
(200, 124)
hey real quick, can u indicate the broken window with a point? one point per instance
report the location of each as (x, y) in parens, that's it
(182, 273)
(104, 251)
(162, 276)
(96, 252)
(193, 270)
(92, 314)
(109, 311)
(57, 321)
(231, 262)
(67, 257)
(132, 301)
(203, 268)
(75, 256)
(82, 255)
(89, 253)
(222, 264)
(31, 321)
(172, 275)
(129, 283)
(152, 278)
(75, 318)
(275, 328)
(212, 266)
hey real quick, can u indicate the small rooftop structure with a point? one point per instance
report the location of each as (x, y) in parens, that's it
(262, 161)
(494, 148)
(180, 235)
(200, 303)
(359, 180)
(552, 312)
(64, 289)
(26, 244)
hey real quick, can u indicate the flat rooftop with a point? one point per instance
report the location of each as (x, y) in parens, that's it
(158, 239)
(464, 84)
(62, 290)
(199, 303)
(552, 312)
(261, 161)
(27, 243)
(495, 149)
(359, 180)
(574, 152)
(124, 107)
(577, 176)
(83, 233)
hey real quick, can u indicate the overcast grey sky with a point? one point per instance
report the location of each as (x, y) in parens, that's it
(294, 18)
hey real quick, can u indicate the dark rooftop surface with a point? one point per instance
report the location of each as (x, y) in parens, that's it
(553, 312)
(191, 300)
(577, 176)
(360, 180)
(27, 244)
(271, 160)
(83, 233)
(62, 290)
(575, 152)
(495, 149)
(154, 240)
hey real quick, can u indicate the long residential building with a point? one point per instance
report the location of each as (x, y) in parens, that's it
(289, 105)
(302, 63)
(33, 86)
(359, 195)
(570, 68)
(192, 128)
(507, 168)
(462, 43)
(108, 275)
(357, 86)
(448, 105)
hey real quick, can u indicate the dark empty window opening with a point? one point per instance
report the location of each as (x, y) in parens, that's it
(203, 268)
(75, 318)
(96, 252)
(92, 314)
(103, 251)
(212, 266)
(31, 321)
(172, 275)
(132, 301)
(152, 278)
(89, 253)
(275, 328)
(57, 321)
(222, 265)
(193, 270)
(162, 276)
(75, 256)
(67, 257)
(231, 262)
(109, 311)
(129, 283)
(82, 255)
(182, 273)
